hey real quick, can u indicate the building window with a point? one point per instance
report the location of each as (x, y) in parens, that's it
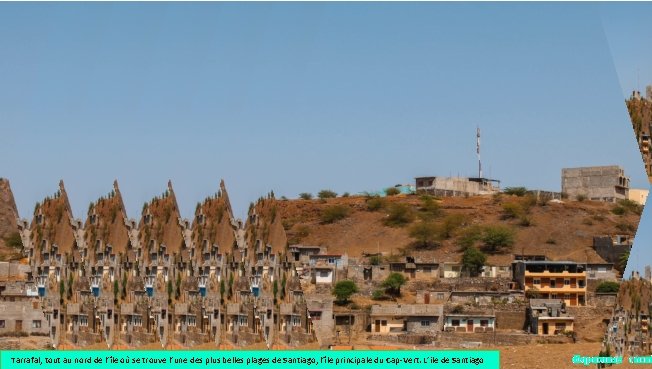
(83, 320)
(484, 323)
(427, 269)
(566, 282)
(242, 320)
(425, 323)
(323, 274)
(553, 283)
(455, 322)
(567, 296)
(581, 283)
(440, 296)
(296, 321)
(536, 282)
(560, 327)
(192, 320)
(137, 320)
(553, 296)
(331, 260)
(36, 324)
(2, 323)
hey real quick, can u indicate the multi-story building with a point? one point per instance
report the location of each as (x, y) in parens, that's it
(563, 280)
(605, 183)
(549, 317)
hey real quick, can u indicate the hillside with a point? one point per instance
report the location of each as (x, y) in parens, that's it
(52, 223)
(561, 231)
(105, 223)
(8, 226)
(640, 112)
(635, 295)
(159, 224)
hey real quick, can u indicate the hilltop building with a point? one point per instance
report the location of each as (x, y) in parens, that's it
(456, 186)
(605, 183)
(638, 195)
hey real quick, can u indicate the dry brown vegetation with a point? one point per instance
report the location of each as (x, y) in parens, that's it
(557, 230)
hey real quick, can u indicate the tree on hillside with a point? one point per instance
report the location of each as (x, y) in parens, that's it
(473, 260)
(393, 283)
(399, 215)
(343, 290)
(305, 196)
(326, 194)
(497, 238)
(426, 234)
(392, 191)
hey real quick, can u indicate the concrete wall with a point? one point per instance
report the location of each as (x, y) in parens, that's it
(608, 251)
(25, 311)
(638, 195)
(415, 325)
(596, 183)
(511, 320)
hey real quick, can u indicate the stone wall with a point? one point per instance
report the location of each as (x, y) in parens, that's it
(455, 339)
(511, 320)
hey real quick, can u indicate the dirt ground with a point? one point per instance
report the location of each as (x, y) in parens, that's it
(561, 231)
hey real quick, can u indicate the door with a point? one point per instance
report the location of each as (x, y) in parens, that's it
(19, 326)
(545, 328)
(377, 325)
(426, 298)
(469, 325)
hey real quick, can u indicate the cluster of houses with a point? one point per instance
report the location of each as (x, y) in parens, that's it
(218, 281)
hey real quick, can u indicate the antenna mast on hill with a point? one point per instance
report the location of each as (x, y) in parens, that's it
(478, 151)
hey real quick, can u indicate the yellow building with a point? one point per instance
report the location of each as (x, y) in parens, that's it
(563, 280)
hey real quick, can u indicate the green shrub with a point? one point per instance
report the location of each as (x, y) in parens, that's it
(326, 194)
(497, 238)
(517, 191)
(393, 283)
(608, 286)
(525, 221)
(343, 290)
(378, 295)
(473, 260)
(14, 240)
(512, 211)
(470, 236)
(451, 224)
(551, 241)
(376, 203)
(399, 215)
(426, 234)
(631, 206)
(346, 194)
(619, 210)
(334, 213)
(625, 227)
(392, 191)
(581, 197)
(374, 260)
(429, 209)
(305, 196)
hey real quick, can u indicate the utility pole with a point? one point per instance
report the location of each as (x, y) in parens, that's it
(478, 152)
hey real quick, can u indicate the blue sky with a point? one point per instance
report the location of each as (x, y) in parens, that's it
(627, 29)
(296, 97)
